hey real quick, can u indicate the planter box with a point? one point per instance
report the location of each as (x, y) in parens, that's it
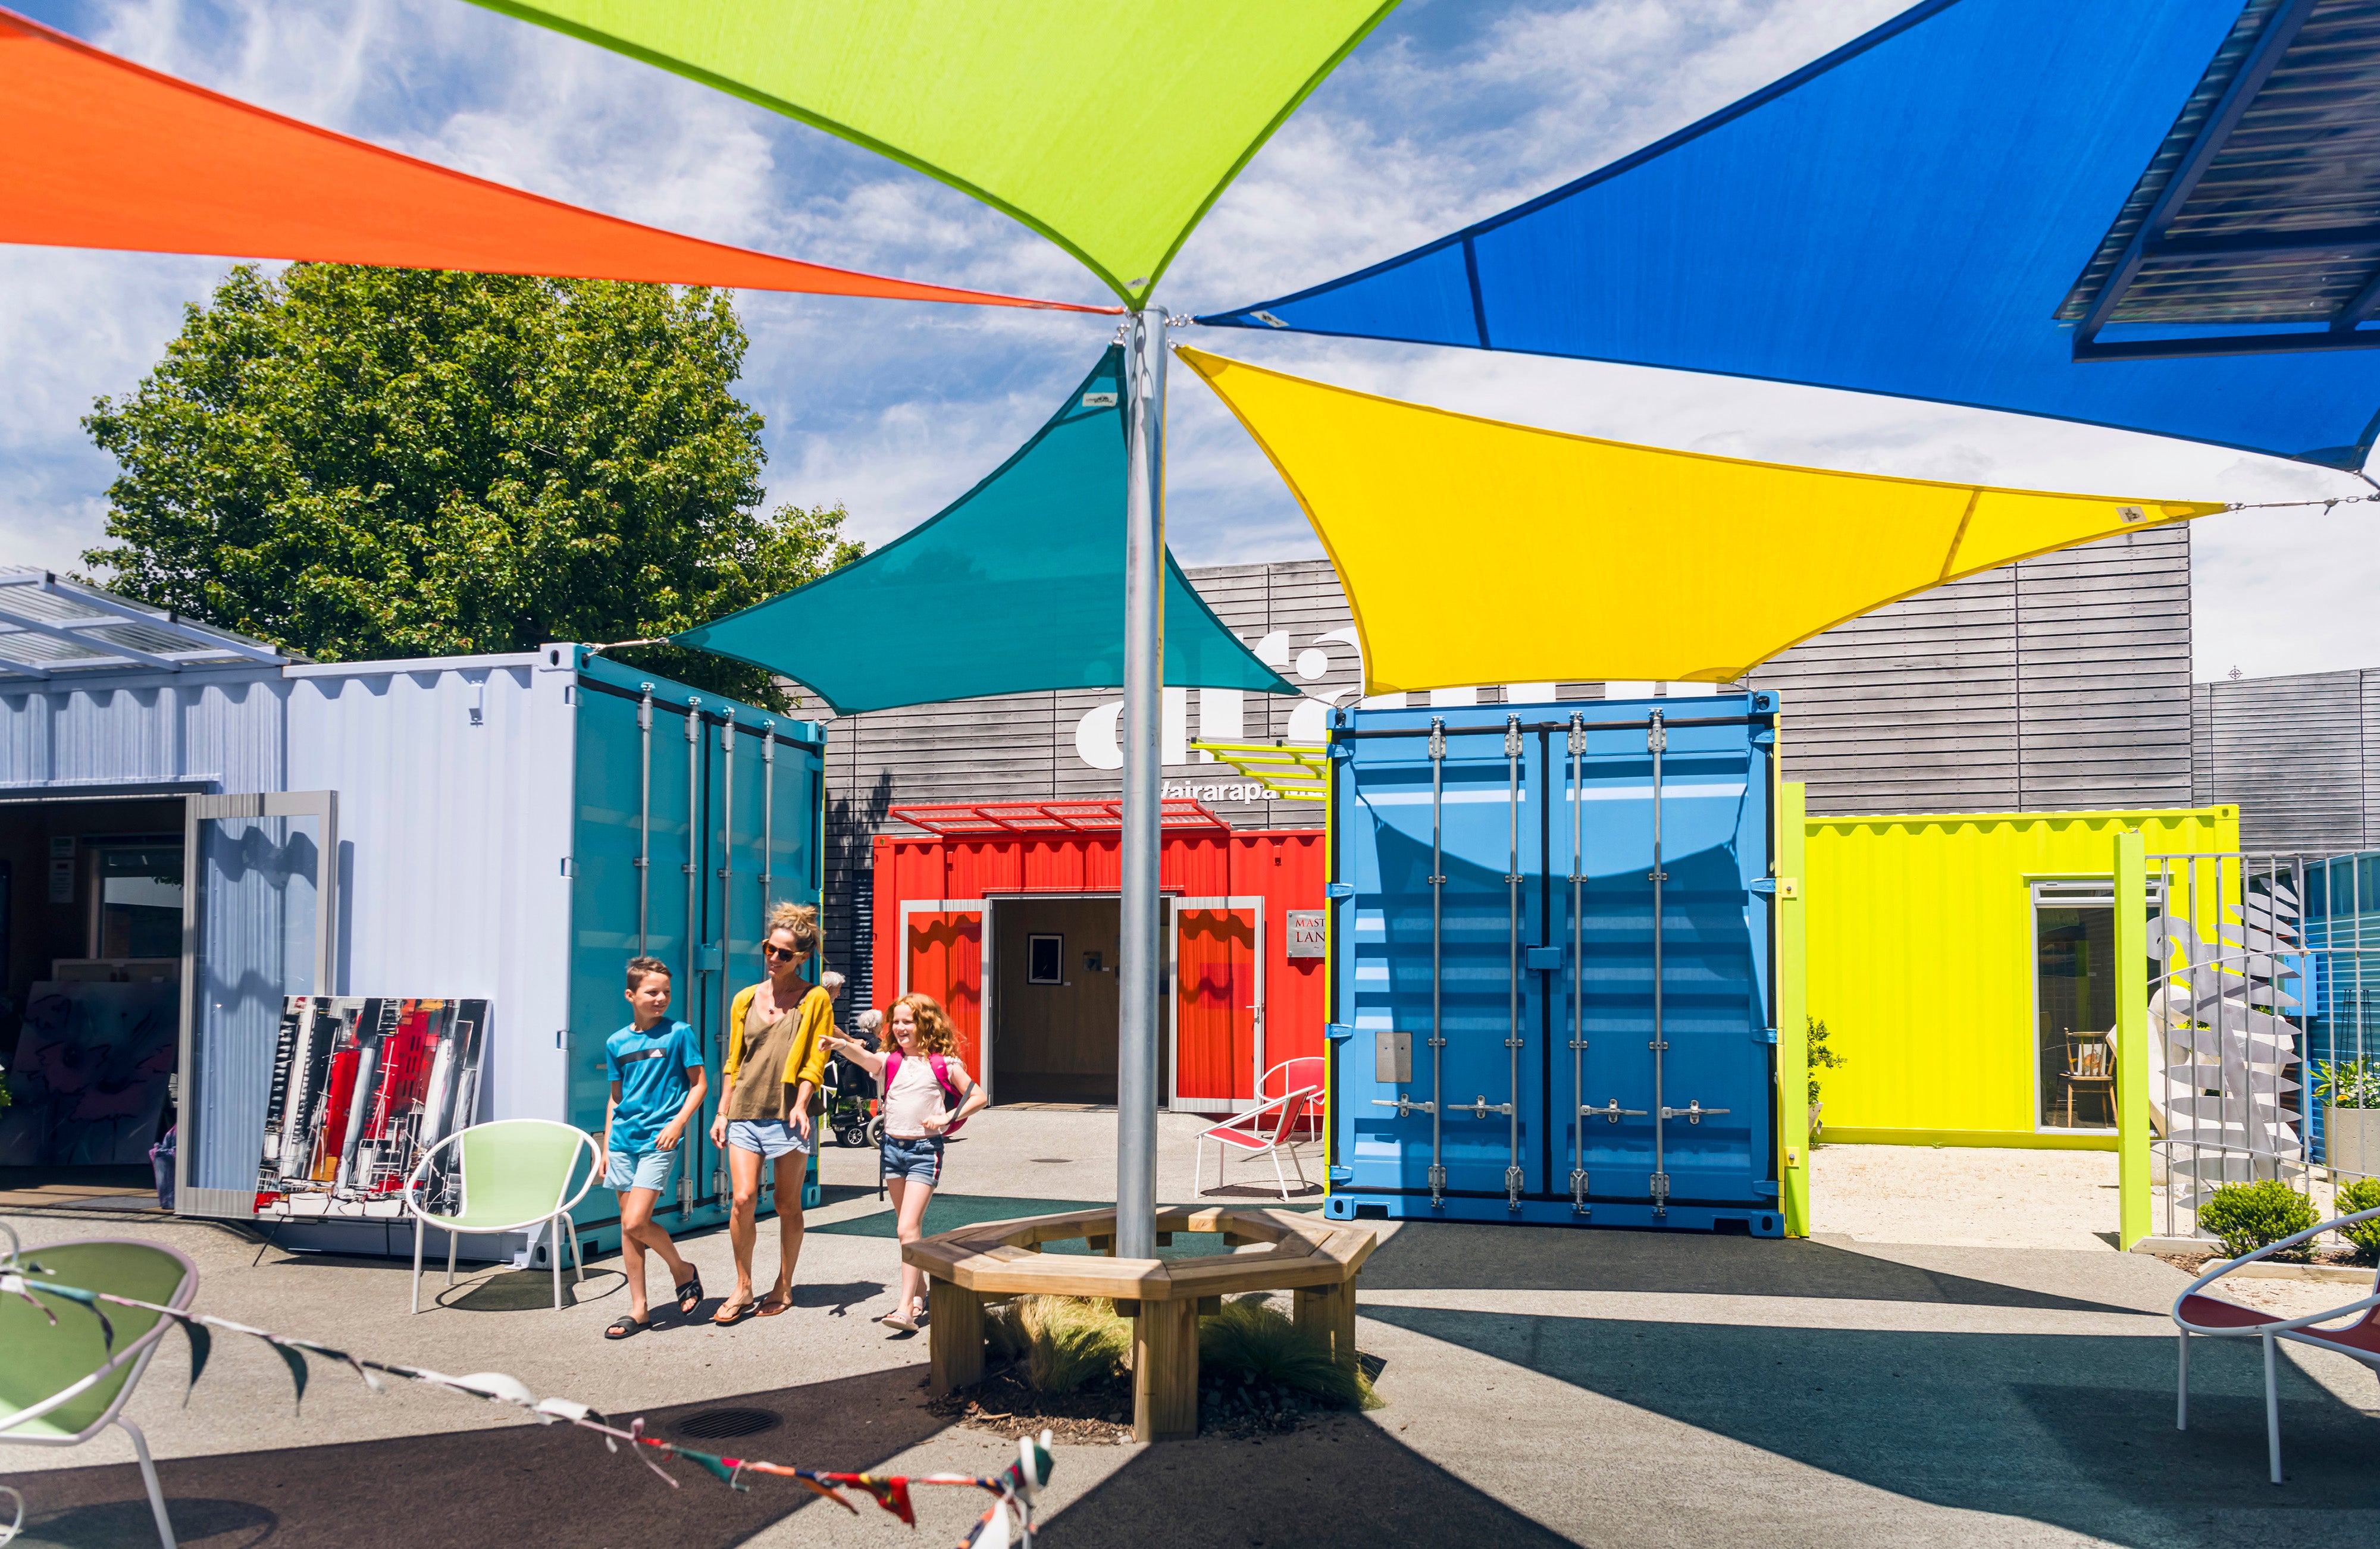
(2350, 1140)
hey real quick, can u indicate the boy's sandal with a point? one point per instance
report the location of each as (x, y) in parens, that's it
(689, 1295)
(623, 1326)
(731, 1314)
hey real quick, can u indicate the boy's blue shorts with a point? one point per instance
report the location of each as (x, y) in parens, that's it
(641, 1169)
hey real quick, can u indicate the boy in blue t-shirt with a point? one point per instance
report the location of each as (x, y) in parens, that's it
(658, 1082)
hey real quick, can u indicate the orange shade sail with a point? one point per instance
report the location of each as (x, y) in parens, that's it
(99, 153)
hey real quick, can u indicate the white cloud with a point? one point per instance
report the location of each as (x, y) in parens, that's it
(1453, 110)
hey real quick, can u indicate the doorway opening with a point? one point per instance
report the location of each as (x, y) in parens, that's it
(1055, 1001)
(90, 971)
(2074, 1005)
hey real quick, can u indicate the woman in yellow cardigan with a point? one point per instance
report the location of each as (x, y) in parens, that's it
(776, 1059)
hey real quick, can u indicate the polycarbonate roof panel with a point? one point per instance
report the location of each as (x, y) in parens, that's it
(2286, 218)
(49, 625)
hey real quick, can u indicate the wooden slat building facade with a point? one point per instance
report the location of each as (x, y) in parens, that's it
(2299, 754)
(2057, 683)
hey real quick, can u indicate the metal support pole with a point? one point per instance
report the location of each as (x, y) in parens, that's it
(1513, 960)
(726, 921)
(1141, 985)
(1656, 739)
(1577, 966)
(767, 822)
(645, 821)
(1437, 963)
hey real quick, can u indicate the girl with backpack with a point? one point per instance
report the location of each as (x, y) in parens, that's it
(927, 1095)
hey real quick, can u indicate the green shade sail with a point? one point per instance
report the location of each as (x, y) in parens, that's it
(1108, 128)
(1017, 586)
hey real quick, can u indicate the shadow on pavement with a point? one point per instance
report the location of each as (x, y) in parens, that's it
(1344, 1482)
(490, 1489)
(2071, 1430)
(1455, 1255)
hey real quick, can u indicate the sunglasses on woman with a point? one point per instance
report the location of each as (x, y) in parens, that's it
(775, 953)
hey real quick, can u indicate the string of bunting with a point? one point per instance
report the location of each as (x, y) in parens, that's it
(1007, 1522)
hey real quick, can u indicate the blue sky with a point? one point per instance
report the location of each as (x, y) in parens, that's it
(1453, 109)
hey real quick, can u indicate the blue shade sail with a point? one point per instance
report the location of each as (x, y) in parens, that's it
(1017, 586)
(1906, 216)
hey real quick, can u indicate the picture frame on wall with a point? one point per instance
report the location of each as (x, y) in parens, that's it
(1045, 958)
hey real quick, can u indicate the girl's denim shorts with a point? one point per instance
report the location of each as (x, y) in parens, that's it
(920, 1159)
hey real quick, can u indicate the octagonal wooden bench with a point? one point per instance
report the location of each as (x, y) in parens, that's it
(1271, 1250)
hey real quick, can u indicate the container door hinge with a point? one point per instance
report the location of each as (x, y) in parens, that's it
(1764, 737)
(1765, 1186)
(1764, 1034)
(1339, 1033)
(1339, 889)
(1762, 885)
(1342, 1175)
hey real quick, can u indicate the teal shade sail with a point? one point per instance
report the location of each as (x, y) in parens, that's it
(1015, 587)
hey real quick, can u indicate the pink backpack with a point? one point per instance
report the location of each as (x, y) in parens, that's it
(942, 1077)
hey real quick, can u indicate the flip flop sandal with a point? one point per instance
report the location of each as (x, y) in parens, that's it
(772, 1304)
(899, 1318)
(623, 1326)
(689, 1295)
(730, 1314)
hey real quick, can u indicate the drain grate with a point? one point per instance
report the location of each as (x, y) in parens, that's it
(718, 1426)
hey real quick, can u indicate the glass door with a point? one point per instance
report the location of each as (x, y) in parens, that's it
(2074, 1005)
(257, 910)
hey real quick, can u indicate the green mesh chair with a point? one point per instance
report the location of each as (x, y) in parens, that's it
(60, 1386)
(514, 1173)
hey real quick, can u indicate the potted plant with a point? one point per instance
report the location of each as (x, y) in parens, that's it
(2350, 1092)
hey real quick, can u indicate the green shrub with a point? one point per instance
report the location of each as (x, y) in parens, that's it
(2350, 1083)
(2250, 1216)
(1063, 1342)
(1251, 1341)
(1821, 1057)
(2361, 1194)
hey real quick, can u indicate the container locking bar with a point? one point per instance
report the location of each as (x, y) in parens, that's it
(1577, 966)
(1656, 741)
(1437, 960)
(1611, 1111)
(1692, 1113)
(1404, 1105)
(1513, 1176)
(693, 868)
(1479, 1107)
(645, 819)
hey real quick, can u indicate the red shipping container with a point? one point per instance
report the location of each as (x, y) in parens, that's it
(1008, 914)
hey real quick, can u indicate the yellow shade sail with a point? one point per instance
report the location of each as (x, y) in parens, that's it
(1478, 551)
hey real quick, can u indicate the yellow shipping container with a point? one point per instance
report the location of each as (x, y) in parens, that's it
(1922, 963)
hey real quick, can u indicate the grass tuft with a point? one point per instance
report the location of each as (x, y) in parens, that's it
(1251, 1339)
(1060, 1342)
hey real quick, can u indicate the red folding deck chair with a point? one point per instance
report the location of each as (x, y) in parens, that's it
(1270, 1126)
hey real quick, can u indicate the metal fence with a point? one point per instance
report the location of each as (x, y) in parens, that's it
(2264, 975)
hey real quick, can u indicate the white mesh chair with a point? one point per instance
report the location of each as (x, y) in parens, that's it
(516, 1173)
(2211, 1319)
(60, 1384)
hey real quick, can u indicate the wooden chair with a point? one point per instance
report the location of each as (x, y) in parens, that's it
(2208, 1318)
(2090, 1063)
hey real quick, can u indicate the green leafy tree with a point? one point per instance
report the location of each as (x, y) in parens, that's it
(361, 464)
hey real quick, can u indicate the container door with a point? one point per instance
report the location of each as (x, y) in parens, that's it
(257, 927)
(941, 955)
(1667, 987)
(1448, 900)
(1219, 993)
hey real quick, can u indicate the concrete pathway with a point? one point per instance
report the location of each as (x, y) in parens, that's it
(1543, 1387)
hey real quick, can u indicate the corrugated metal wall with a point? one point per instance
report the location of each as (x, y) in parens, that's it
(1919, 961)
(219, 725)
(2058, 682)
(2299, 756)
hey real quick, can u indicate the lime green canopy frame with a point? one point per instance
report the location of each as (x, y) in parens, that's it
(1106, 127)
(1018, 585)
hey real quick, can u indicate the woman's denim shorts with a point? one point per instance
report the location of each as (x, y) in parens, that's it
(920, 1159)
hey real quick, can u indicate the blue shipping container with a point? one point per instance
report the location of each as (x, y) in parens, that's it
(1552, 964)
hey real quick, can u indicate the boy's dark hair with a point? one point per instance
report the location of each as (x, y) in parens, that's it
(639, 967)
